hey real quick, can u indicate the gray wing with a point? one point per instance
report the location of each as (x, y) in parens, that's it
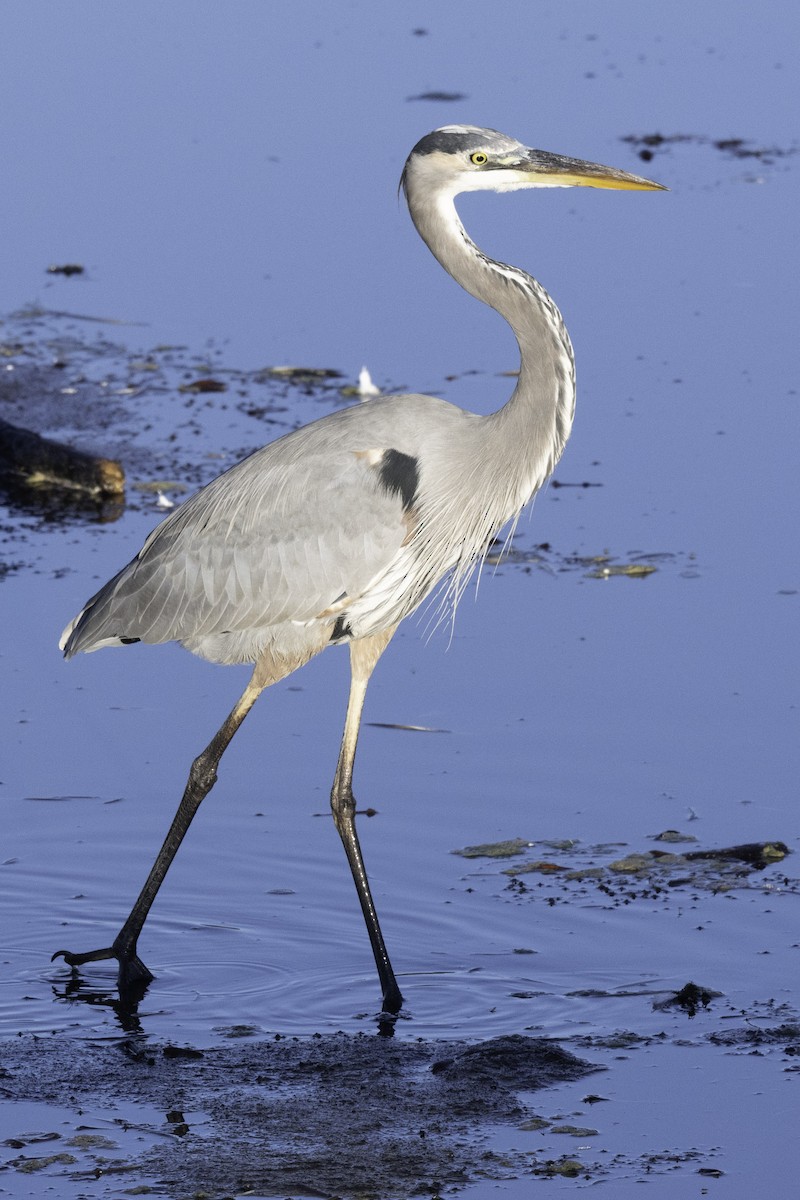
(285, 536)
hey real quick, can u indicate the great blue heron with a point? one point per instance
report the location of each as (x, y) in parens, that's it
(337, 531)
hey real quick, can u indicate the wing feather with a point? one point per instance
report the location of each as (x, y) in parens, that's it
(320, 514)
(266, 543)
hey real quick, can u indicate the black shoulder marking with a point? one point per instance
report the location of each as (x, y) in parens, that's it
(129, 641)
(341, 628)
(399, 473)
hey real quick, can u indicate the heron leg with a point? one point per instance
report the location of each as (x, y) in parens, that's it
(133, 974)
(364, 654)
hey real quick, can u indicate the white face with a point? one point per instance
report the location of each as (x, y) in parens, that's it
(457, 173)
(509, 179)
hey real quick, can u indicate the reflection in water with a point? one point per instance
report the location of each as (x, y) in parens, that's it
(124, 1004)
(59, 506)
(125, 1008)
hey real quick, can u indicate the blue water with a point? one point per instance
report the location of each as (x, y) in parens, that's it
(227, 175)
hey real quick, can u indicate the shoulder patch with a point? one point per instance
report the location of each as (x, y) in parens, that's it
(341, 629)
(399, 473)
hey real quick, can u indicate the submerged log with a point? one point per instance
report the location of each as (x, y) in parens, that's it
(40, 462)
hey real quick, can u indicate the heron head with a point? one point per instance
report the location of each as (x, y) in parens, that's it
(466, 158)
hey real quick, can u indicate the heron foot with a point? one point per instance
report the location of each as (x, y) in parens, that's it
(392, 1000)
(132, 973)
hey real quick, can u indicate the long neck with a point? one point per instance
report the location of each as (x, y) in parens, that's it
(541, 408)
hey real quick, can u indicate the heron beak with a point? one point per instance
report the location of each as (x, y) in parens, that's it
(555, 170)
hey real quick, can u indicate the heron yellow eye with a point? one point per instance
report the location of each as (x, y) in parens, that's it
(478, 159)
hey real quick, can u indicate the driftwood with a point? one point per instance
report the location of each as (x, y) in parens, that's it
(38, 461)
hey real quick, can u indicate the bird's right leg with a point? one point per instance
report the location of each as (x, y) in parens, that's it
(133, 974)
(364, 654)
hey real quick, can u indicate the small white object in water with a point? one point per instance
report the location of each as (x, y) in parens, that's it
(164, 501)
(366, 387)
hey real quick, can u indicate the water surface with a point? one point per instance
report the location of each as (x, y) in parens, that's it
(229, 184)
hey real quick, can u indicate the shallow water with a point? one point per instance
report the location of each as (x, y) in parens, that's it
(572, 707)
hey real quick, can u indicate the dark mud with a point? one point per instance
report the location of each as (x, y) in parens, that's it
(339, 1115)
(321, 1116)
(102, 396)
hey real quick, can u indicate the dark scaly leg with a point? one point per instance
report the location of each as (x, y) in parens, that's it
(364, 654)
(133, 974)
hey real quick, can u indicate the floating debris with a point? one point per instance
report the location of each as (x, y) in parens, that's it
(635, 864)
(303, 374)
(447, 97)
(409, 728)
(542, 866)
(557, 483)
(570, 1168)
(67, 269)
(631, 570)
(239, 1031)
(505, 849)
(636, 565)
(57, 799)
(757, 854)
(204, 385)
(33, 312)
(27, 1166)
(36, 461)
(672, 835)
(160, 485)
(690, 998)
(534, 1125)
(366, 387)
(650, 873)
(648, 144)
(91, 1141)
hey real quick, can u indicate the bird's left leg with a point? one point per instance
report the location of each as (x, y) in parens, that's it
(133, 975)
(364, 654)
